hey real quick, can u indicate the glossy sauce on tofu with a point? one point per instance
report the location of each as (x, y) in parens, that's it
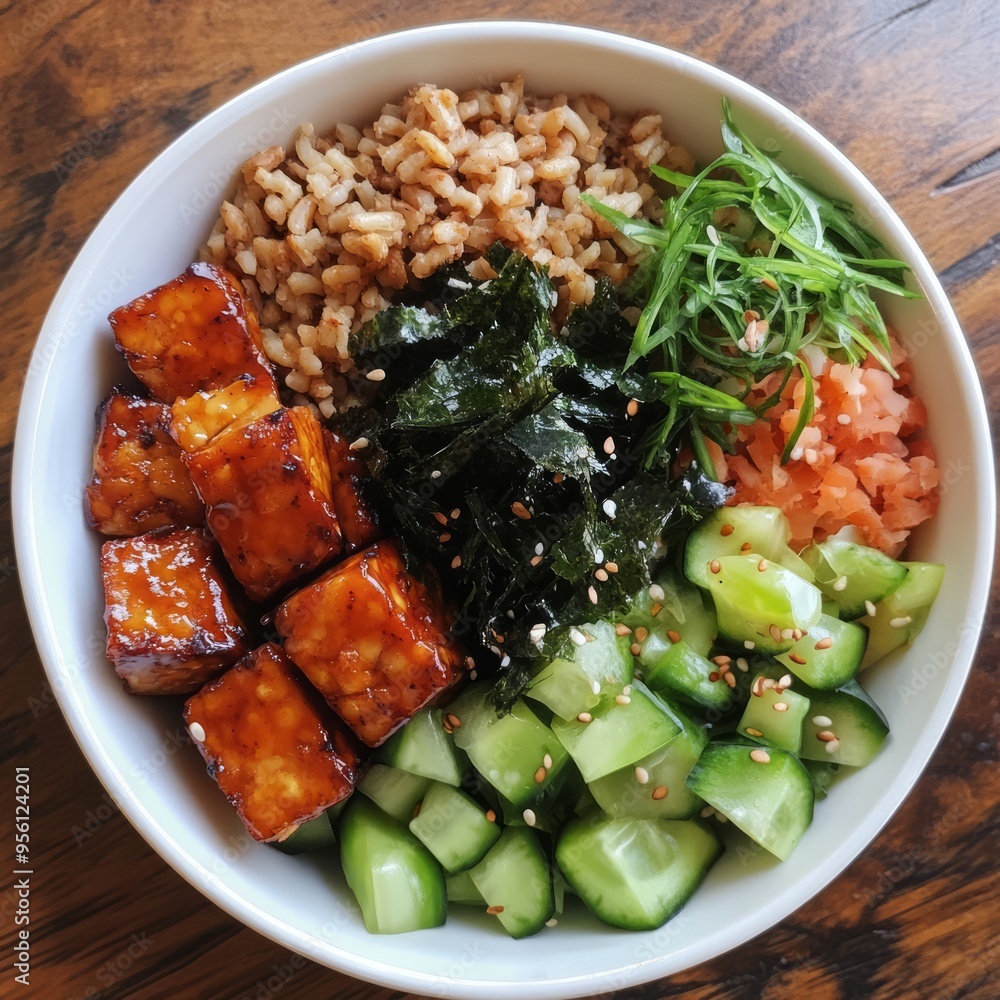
(273, 747)
(356, 514)
(172, 624)
(195, 332)
(140, 481)
(373, 640)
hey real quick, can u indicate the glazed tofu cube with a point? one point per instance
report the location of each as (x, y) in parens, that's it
(373, 640)
(276, 751)
(172, 624)
(198, 331)
(140, 480)
(198, 419)
(267, 488)
(351, 483)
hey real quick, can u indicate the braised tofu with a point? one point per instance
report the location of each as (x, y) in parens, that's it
(356, 514)
(198, 331)
(172, 624)
(198, 419)
(373, 640)
(140, 480)
(267, 487)
(276, 751)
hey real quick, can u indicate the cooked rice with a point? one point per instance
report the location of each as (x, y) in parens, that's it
(322, 235)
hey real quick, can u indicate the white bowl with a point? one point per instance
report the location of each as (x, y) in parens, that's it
(136, 745)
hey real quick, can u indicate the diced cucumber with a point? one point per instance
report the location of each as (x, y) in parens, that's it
(517, 753)
(900, 617)
(769, 795)
(394, 791)
(423, 747)
(851, 574)
(682, 609)
(761, 602)
(661, 794)
(515, 882)
(635, 873)
(729, 531)
(453, 827)
(313, 835)
(764, 722)
(621, 730)
(462, 890)
(675, 670)
(395, 879)
(829, 654)
(853, 727)
(573, 679)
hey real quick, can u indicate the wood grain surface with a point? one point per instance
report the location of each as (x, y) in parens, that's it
(93, 90)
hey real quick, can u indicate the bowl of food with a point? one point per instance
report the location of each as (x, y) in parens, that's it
(545, 484)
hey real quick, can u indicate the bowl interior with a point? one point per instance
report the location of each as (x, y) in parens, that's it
(138, 747)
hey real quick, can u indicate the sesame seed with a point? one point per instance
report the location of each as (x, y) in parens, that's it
(900, 622)
(655, 609)
(787, 633)
(757, 688)
(456, 562)
(660, 792)
(775, 632)
(584, 717)
(825, 643)
(840, 584)
(595, 686)
(455, 514)
(843, 419)
(491, 815)
(760, 756)
(627, 689)
(714, 676)
(762, 566)
(722, 660)
(601, 575)
(795, 658)
(559, 477)
(797, 634)
(785, 681)
(715, 566)
(641, 775)
(535, 560)
(494, 910)
(726, 530)
(633, 407)
(611, 567)
(713, 235)
(749, 644)
(780, 706)
(436, 474)
(673, 636)
(537, 632)
(825, 736)
(473, 674)
(445, 536)
(551, 922)
(197, 731)
(577, 637)
(505, 662)
(622, 699)
(592, 595)
(610, 508)
(742, 664)
(822, 721)
(753, 732)
(609, 446)
(833, 746)
(635, 649)
(730, 678)
(470, 662)
(519, 510)
(440, 518)
(376, 375)
(495, 650)
(539, 549)
(540, 776)
(622, 630)
(598, 556)
(870, 608)
(547, 761)
(358, 443)
(746, 547)
(656, 592)
(641, 634)
(722, 817)
(529, 816)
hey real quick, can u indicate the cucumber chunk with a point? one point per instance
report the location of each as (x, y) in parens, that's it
(394, 791)
(682, 609)
(829, 655)
(675, 670)
(764, 722)
(851, 574)
(855, 722)
(313, 835)
(889, 628)
(765, 529)
(395, 879)
(622, 730)
(508, 751)
(462, 890)
(761, 602)
(423, 747)
(573, 679)
(662, 793)
(636, 873)
(453, 827)
(770, 800)
(515, 882)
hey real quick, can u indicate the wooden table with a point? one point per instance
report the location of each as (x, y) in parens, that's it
(92, 90)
